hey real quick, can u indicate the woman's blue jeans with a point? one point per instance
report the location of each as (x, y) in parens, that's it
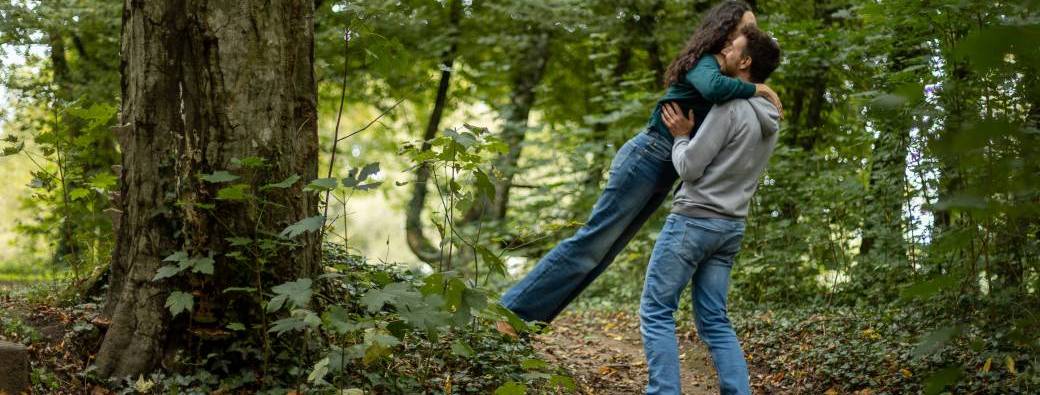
(700, 250)
(641, 175)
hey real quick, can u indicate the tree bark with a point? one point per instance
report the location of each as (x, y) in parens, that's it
(204, 83)
(417, 241)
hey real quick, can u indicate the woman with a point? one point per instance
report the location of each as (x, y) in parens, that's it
(641, 173)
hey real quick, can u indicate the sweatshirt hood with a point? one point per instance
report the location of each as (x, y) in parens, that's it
(768, 115)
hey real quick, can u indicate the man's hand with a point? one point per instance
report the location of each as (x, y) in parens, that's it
(768, 93)
(678, 125)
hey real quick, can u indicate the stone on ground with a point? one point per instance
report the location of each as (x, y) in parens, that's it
(14, 368)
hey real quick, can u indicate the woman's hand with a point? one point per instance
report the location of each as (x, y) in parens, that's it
(768, 93)
(678, 125)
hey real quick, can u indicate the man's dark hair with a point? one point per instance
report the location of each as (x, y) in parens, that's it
(764, 53)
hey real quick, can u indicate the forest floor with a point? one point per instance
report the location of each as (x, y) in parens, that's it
(604, 352)
(815, 350)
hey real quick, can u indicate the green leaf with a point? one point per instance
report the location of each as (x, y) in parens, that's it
(298, 292)
(375, 298)
(308, 224)
(927, 288)
(534, 364)
(935, 340)
(249, 161)
(239, 241)
(218, 177)
(286, 183)
(368, 171)
(484, 185)
(98, 114)
(319, 371)
(276, 303)
(424, 316)
(287, 324)
(492, 261)
(103, 181)
(321, 184)
(202, 265)
(178, 256)
(400, 294)
(378, 344)
(234, 192)
(465, 139)
(13, 150)
(462, 349)
(236, 326)
(179, 301)
(563, 382)
(355, 177)
(938, 381)
(511, 388)
(78, 193)
(166, 272)
(477, 130)
(337, 319)
(381, 338)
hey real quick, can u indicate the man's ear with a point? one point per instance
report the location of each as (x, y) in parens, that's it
(745, 63)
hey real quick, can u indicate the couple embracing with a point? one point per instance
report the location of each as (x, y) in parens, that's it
(714, 130)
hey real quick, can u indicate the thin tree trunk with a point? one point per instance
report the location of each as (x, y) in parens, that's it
(599, 130)
(203, 84)
(883, 226)
(530, 69)
(417, 241)
(653, 49)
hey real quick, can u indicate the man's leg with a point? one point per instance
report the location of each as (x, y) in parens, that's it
(672, 263)
(711, 286)
(562, 273)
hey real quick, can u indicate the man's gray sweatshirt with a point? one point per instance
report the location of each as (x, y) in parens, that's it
(720, 166)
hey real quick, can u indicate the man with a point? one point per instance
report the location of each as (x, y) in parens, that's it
(719, 167)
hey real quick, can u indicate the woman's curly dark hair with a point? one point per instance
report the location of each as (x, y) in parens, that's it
(710, 37)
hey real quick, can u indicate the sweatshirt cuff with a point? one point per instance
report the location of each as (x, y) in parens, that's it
(680, 140)
(747, 90)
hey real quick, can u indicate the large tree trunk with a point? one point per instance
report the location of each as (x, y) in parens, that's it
(205, 82)
(417, 241)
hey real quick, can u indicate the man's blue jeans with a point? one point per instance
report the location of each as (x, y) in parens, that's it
(701, 249)
(641, 175)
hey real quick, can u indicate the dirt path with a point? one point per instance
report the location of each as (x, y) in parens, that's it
(605, 353)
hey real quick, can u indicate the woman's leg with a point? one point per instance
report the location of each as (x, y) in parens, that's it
(636, 172)
(660, 194)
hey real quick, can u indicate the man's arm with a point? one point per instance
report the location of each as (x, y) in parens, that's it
(719, 88)
(715, 86)
(692, 156)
